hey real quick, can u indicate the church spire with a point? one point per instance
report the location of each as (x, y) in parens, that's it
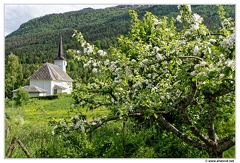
(60, 60)
(60, 50)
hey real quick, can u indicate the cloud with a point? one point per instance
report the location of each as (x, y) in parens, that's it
(15, 15)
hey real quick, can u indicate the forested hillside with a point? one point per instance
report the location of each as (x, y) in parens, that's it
(35, 42)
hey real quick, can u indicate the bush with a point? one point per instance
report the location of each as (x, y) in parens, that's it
(50, 97)
(22, 97)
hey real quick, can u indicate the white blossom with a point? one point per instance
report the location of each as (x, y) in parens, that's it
(131, 108)
(179, 18)
(113, 66)
(106, 62)
(203, 63)
(194, 27)
(189, 8)
(94, 64)
(212, 40)
(156, 22)
(228, 42)
(83, 44)
(221, 76)
(117, 81)
(82, 128)
(197, 18)
(193, 73)
(159, 56)
(147, 48)
(101, 53)
(88, 49)
(195, 50)
(187, 33)
(156, 48)
(230, 63)
(94, 70)
(221, 55)
(196, 66)
(78, 124)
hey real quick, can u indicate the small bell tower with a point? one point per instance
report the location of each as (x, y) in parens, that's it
(60, 60)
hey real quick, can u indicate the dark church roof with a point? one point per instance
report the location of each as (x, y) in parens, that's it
(60, 50)
(50, 72)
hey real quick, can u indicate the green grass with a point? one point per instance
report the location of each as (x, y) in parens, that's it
(31, 123)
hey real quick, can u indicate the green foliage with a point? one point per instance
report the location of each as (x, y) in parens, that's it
(13, 74)
(73, 145)
(22, 97)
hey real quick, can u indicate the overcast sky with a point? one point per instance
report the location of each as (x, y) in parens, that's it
(15, 15)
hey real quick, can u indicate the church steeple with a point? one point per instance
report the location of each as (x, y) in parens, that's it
(60, 60)
(60, 50)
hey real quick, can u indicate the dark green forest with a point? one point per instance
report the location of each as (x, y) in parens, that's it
(35, 42)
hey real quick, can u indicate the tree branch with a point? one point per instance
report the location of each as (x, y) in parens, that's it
(179, 134)
(195, 57)
(225, 146)
(184, 115)
(210, 122)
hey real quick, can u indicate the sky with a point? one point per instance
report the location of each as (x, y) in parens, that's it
(16, 14)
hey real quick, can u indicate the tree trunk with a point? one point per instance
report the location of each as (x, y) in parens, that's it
(213, 153)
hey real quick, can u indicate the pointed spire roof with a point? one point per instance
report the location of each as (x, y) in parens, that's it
(60, 50)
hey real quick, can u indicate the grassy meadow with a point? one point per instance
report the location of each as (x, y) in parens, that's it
(31, 124)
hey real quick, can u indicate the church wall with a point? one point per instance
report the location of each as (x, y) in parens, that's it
(67, 85)
(44, 84)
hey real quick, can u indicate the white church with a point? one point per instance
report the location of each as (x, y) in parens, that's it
(51, 79)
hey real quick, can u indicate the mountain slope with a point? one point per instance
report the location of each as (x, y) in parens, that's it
(36, 40)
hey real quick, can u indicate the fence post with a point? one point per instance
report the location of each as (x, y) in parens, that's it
(24, 148)
(11, 148)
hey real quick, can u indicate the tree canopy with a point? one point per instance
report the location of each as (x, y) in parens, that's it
(157, 70)
(13, 74)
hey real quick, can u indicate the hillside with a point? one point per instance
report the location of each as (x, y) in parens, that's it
(35, 42)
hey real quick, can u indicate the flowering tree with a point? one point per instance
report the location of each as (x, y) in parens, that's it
(157, 70)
